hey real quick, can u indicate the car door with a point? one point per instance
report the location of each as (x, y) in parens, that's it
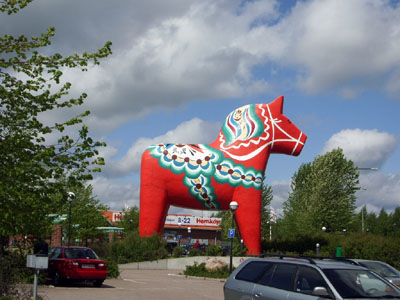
(241, 286)
(54, 256)
(276, 283)
(306, 280)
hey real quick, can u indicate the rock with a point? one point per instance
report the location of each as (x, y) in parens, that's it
(213, 264)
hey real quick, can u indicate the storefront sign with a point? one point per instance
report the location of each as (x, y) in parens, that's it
(117, 216)
(186, 220)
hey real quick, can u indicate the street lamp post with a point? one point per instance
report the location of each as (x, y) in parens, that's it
(179, 240)
(233, 206)
(87, 227)
(362, 209)
(70, 198)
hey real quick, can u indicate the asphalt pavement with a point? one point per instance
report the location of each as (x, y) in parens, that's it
(140, 285)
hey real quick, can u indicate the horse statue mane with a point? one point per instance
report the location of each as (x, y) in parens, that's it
(209, 177)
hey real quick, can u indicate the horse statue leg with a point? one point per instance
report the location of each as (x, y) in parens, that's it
(153, 200)
(248, 218)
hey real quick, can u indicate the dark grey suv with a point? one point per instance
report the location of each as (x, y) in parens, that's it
(295, 278)
(380, 267)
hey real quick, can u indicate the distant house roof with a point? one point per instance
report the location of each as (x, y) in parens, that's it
(113, 217)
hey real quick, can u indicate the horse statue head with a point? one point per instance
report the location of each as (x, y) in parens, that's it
(257, 129)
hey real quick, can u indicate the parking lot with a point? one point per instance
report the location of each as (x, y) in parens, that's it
(140, 285)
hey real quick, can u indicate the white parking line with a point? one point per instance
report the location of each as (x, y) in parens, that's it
(134, 281)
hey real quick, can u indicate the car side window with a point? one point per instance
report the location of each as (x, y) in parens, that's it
(307, 279)
(266, 277)
(283, 277)
(55, 253)
(253, 271)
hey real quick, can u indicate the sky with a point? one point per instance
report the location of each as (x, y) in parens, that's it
(179, 67)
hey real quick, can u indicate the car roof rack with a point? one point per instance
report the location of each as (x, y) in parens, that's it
(311, 259)
(341, 258)
(345, 259)
(284, 256)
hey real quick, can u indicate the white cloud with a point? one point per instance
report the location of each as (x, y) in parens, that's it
(195, 55)
(195, 131)
(116, 195)
(189, 50)
(280, 192)
(208, 51)
(379, 190)
(366, 148)
(340, 42)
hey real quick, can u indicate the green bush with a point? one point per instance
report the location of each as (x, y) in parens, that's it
(112, 269)
(177, 252)
(134, 248)
(239, 250)
(370, 246)
(13, 270)
(214, 250)
(195, 252)
(299, 245)
(200, 270)
(102, 248)
(353, 245)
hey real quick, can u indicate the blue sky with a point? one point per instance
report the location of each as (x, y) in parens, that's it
(179, 67)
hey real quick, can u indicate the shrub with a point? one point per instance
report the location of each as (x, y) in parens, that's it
(177, 252)
(135, 248)
(112, 269)
(354, 245)
(195, 252)
(102, 248)
(239, 250)
(13, 271)
(200, 270)
(214, 250)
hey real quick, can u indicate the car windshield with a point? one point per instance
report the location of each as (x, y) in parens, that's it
(360, 284)
(80, 253)
(381, 268)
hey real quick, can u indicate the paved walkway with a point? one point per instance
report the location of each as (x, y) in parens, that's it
(141, 285)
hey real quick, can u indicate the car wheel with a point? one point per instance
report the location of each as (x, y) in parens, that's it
(57, 280)
(98, 283)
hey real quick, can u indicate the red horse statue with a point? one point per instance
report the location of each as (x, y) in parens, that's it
(209, 177)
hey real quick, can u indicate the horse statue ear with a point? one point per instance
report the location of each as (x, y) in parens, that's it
(277, 105)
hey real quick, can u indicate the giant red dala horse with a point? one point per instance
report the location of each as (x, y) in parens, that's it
(209, 177)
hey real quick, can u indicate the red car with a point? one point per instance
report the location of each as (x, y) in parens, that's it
(76, 264)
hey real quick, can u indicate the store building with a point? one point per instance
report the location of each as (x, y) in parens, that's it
(187, 229)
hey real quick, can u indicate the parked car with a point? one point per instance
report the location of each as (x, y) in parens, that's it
(296, 278)
(186, 248)
(76, 264)
(170, 246)
(380, 267)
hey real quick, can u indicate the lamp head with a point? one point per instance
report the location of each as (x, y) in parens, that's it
(233, 205)
(71, 196)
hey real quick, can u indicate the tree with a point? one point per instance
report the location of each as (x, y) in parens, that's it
(384, 224)
(226, 223)
(130, 220)
(30, 165)
(359, 221)
(266, 198)
(371, 222)
(86, 213)
(322, 194)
